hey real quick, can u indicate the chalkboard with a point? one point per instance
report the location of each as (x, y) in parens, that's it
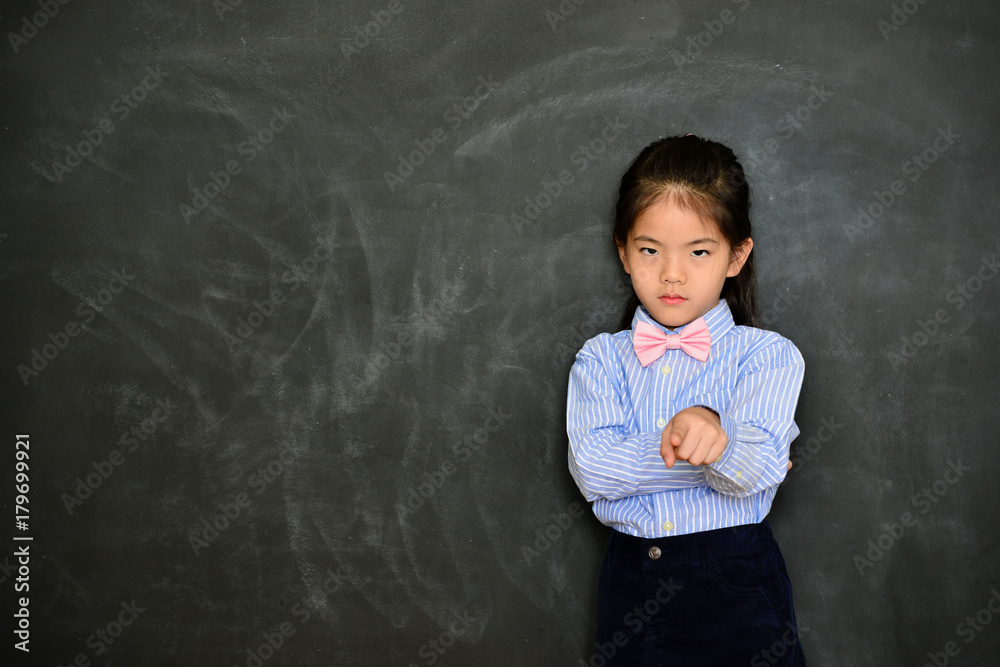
(292, 290)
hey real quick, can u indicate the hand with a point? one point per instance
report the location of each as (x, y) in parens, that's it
(694, 435)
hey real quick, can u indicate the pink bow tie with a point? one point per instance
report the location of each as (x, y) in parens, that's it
(650, 343)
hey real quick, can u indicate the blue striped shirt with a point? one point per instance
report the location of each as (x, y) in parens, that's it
(616, 411)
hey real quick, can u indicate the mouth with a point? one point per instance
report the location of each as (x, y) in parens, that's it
(672, 299)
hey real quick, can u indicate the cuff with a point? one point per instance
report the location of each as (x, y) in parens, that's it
(741, 464)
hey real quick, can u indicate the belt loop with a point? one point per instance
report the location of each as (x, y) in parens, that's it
(703, 555)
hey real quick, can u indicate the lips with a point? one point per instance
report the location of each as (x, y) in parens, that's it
(672, 299)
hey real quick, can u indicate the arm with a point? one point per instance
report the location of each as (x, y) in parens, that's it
(758, 421)
(604, 459)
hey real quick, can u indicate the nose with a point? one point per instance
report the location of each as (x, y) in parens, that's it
(670, 270)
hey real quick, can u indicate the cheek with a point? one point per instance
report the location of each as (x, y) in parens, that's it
(643, 271)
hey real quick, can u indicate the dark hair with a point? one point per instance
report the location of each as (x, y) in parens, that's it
(705, 177)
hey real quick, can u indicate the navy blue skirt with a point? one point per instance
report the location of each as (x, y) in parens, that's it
(717, 598)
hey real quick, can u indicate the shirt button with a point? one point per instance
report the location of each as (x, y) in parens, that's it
(668, 525)
(665, 370)
(739, 474)
(654, 552)
(661, 422)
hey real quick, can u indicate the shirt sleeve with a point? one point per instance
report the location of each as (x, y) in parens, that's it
(605, 459)
(758, 419)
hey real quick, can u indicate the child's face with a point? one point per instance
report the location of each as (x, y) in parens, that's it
(678, 263)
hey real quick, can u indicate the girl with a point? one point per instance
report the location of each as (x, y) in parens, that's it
(679, 426)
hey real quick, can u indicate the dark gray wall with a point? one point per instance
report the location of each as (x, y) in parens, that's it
(327, 339)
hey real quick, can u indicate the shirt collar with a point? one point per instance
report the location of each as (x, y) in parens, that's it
(719, 321)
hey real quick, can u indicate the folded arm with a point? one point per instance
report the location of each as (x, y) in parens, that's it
(605, 460)
(758, 419)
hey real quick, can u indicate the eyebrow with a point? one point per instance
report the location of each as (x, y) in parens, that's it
(649, 239)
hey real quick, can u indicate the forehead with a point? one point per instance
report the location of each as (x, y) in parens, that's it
(666, 221)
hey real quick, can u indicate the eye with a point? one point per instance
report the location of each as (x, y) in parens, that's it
(642, 251)
(695, 253)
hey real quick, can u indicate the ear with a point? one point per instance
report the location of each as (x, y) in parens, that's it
(739, 257)
(623, 255)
